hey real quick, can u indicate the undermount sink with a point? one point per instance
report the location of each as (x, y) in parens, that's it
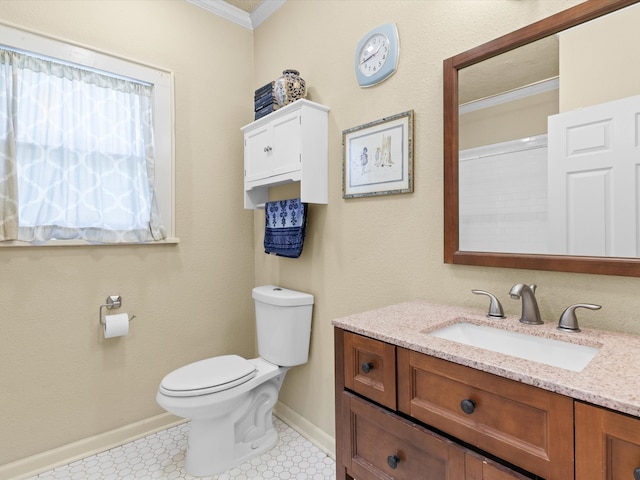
(556, 353)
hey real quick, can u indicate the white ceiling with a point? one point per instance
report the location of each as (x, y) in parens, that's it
(246, 5)
(248, 13)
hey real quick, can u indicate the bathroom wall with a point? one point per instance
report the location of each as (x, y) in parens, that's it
(370, 252)
(594, 60)
(60, 381)
(524, 117)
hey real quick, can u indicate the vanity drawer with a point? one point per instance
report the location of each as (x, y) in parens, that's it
(384, 446)
(370, 368)
(524, 425)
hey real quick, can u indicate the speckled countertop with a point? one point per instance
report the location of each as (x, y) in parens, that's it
(611, 379)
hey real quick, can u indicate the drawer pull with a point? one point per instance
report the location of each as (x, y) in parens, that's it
(468, 406)
(366, 367)
(636, 474)
(393, 461)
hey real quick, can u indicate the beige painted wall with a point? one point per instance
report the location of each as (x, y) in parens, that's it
(524, 117)
(595, 64)
(60, 381)
(192, 300)
(366, 253)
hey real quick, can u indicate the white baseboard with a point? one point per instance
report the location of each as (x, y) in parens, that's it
(304, 427)
(86, 447)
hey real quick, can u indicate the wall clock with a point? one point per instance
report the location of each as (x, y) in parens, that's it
(377, 55)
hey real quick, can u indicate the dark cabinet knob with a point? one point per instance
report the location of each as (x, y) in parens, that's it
(636, 474)
(468, 406)
(393, 461)
(366, 367)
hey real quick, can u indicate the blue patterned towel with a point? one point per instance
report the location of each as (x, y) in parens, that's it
(285, 227)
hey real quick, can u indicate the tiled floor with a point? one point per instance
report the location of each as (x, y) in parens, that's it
(161, 456)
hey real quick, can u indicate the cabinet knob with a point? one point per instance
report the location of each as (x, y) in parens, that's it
(393, 461)
(366, 367)
(267, 149)
(468, 406)
(636, 474)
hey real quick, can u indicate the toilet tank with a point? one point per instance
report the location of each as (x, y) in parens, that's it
(283, 324)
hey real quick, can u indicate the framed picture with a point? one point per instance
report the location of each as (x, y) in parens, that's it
(378, 157)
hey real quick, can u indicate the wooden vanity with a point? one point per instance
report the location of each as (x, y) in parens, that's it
(410, 406)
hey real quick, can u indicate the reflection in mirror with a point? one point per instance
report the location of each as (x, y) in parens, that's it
(504, 105)
(546, 155)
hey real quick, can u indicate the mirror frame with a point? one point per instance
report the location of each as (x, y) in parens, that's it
(563, 20)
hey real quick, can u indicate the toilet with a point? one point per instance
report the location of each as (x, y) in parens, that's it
(230, 399)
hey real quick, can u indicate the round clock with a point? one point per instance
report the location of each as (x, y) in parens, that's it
(377, 55)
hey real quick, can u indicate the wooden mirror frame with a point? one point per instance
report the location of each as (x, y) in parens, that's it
(452, 254)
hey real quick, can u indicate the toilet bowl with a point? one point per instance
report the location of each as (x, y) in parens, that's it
(230, 399)
(230, 422)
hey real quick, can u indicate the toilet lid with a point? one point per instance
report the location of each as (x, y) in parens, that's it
(208, 376)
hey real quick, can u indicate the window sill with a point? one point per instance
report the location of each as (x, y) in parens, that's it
(84, 243)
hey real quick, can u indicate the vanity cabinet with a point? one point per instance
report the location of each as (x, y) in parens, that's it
(288, 145)
(381, 389)
(607, 444)
(467, 412)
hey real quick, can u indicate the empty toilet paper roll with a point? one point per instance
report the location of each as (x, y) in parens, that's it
(116, 325)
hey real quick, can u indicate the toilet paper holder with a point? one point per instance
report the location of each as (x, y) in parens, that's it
(113, 301)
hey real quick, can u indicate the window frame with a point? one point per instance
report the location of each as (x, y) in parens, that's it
(163, 114)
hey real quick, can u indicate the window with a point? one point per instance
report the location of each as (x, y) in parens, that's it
(85, 146)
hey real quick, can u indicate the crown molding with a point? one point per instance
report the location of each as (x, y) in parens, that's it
(236, 15)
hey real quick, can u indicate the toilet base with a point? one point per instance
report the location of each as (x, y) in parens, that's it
(207, 454)
(221, 443)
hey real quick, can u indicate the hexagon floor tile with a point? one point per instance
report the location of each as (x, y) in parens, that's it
(161, 456)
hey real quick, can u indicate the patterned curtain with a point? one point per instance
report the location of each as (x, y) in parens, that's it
(76, 154)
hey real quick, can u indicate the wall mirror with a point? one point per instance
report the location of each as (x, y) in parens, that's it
(535, 173)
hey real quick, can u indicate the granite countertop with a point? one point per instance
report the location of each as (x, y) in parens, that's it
(611, 379)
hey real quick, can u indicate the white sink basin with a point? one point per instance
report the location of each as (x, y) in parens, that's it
(556, 353)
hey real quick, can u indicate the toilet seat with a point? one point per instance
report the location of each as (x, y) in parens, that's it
(208, 376)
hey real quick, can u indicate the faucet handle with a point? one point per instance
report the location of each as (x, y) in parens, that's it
(568, 320)
(495, 308)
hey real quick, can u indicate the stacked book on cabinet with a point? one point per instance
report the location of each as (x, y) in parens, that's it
(264, 101)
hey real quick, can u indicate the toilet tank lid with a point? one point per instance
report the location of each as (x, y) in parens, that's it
(274, 295)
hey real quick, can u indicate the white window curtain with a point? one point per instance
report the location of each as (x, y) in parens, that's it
(76, 154)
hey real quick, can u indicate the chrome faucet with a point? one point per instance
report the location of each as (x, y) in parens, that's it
(530, 311)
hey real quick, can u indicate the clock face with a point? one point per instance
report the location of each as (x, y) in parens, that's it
(377, 55)
(374, 54)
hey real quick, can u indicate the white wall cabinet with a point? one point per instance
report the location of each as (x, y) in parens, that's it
(288, 145)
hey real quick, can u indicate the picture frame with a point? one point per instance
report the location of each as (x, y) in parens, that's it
(378, 157)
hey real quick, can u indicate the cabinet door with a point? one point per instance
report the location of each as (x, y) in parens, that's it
(607, 444)
(286, 138)
(257, 153)
(384, 446)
